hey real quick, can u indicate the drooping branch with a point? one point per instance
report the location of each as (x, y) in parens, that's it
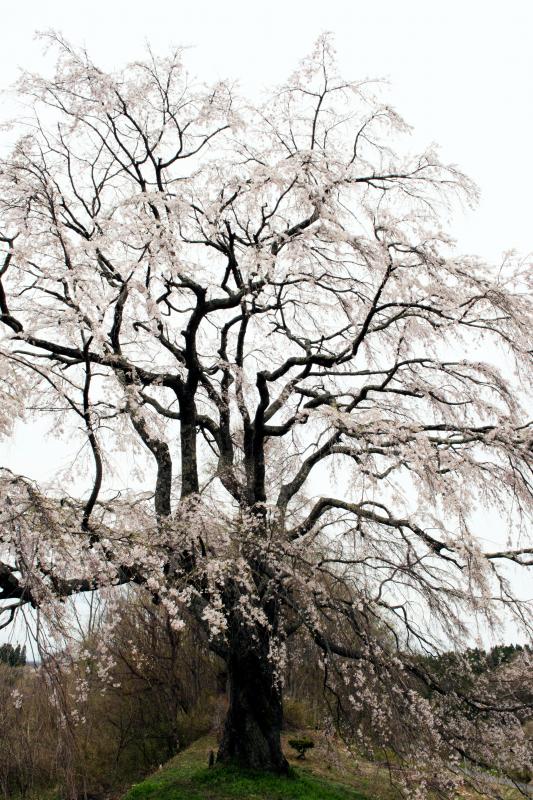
(95, 447)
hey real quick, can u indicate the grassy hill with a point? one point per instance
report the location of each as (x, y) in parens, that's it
(187, 777)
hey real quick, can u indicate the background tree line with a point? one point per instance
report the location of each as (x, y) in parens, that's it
(13, 656)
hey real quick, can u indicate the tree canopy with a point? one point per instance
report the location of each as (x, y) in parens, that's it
(261, 297)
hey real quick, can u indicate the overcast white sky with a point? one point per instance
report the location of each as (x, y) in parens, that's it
(460, 71)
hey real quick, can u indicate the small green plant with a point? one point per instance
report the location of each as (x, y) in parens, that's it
(301, 746)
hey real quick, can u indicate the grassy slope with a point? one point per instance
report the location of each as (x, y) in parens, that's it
(187, 777)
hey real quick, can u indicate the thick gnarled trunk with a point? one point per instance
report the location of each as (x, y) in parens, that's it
(252, 729)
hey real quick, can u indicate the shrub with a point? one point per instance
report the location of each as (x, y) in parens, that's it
(301, 746)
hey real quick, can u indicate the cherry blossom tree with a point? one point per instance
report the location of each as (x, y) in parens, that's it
(261, 298)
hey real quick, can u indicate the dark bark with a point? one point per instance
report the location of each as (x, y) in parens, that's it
(252, 729)
(189, 460)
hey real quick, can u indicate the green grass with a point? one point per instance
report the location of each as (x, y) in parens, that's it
(187, 777)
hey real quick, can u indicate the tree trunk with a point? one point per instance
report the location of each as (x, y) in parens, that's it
(252, 729)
